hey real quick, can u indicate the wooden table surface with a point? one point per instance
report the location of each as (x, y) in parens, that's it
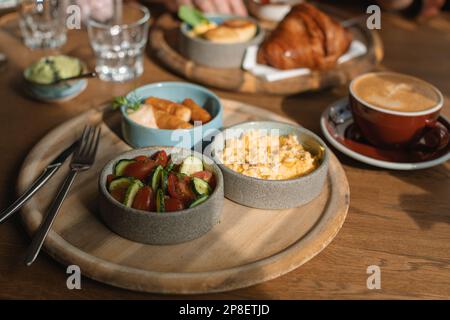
(399, 221)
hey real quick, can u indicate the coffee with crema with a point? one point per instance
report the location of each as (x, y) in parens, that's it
(395, 92)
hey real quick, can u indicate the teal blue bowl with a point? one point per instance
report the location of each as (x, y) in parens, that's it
(62, 91)
(139, 136)
(58, 92)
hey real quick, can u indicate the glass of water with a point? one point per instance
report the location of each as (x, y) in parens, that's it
(43, 23)
(119, 42)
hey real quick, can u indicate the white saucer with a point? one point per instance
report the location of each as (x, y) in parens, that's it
(335, 135)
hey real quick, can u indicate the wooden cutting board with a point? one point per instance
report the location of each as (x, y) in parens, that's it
(249, 246)
(164, 46)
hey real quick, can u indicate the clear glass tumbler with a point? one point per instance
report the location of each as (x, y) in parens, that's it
(120, 41)
(43, 23)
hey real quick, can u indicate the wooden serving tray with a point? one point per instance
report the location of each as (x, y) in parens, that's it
(164, 46)
(249, 246)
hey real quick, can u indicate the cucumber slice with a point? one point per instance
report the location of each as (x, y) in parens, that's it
(119, 182)
(170, 167)
(120, 167)
(201, 187)
(191, 165)
(180, 176)
(131, 192)
(199, 201)
(164, 180)
(156, 178)
(160, 207)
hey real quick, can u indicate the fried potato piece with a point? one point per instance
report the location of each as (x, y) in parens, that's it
(198, 113)
(175, 109)
(232, 31)
(165, 120)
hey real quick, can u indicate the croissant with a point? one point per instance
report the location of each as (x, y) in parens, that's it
(306, 38)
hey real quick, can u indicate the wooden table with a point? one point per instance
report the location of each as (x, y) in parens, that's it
(399, 221)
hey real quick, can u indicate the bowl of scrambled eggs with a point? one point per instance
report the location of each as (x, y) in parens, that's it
(271, 165)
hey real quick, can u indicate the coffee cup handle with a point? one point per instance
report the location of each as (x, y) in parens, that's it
(431, 123)
(436, 136)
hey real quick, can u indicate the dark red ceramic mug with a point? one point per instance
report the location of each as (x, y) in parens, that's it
(388, 128)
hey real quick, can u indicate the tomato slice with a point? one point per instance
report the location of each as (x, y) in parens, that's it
(204, 175)
(119, 193)
(180, 188)
(141, 158)
(143, 199)
(173, 204)
(161, 158)
(140, 169)
(171, 185)
(109, 178)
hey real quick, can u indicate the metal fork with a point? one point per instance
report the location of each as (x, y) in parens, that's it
(82, 160)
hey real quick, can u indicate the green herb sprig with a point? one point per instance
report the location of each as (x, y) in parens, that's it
(191, 16)
(132, 104)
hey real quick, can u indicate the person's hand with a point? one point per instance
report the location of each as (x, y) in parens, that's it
(431, 7)
(236, 7)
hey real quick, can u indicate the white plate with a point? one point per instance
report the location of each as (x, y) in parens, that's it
(357, 49)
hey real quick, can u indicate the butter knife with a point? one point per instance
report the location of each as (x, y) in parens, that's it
(49, 171)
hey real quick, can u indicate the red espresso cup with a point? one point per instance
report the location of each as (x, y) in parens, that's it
(389, 127)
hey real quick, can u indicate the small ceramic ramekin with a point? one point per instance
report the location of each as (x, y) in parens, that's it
(57, 92)
(216, 55)
(139, 136)
(273, 194)
(161, 228)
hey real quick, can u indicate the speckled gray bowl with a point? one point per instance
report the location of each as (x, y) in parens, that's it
(274, 194)
(161, 228)
(216, 55)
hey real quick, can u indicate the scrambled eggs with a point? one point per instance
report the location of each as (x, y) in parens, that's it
(265, 156)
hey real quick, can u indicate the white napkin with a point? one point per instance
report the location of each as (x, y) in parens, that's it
(357, 48)
(6, 4)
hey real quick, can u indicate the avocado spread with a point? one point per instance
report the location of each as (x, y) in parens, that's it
(50, 69)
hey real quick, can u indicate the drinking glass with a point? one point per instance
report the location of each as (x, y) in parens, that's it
(119, 42)
(43, 23)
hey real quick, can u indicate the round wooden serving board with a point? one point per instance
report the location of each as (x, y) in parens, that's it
(164, 46)
(249, 246)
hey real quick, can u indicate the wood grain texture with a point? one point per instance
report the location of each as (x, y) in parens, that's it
(397, 220)
(164, 43)
(249, 246)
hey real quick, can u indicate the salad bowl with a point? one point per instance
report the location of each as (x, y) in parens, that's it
(161, 228)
